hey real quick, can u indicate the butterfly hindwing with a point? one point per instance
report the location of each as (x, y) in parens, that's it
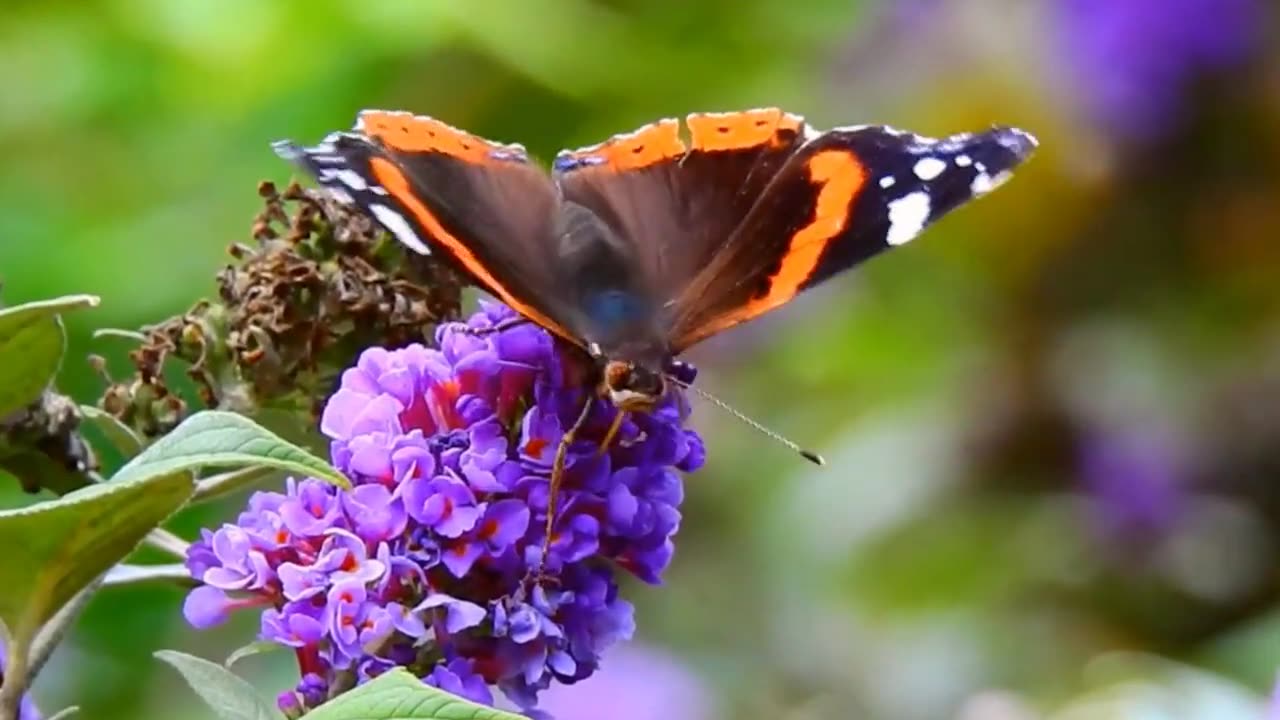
(439, 188)
(843, 197)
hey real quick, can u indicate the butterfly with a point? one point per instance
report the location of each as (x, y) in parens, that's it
(638, 248)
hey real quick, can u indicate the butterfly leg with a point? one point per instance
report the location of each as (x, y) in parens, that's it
(557, 476)
(613, 432)
(497, 327)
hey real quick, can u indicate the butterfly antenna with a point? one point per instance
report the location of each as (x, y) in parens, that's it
(809, 455)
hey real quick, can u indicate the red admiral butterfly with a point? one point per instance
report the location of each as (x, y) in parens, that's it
(637, 248)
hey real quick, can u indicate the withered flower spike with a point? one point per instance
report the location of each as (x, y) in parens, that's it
(315, 283)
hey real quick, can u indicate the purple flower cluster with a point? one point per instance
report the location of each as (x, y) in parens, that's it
(426, 562)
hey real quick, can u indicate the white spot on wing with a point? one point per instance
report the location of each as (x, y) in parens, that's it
(886, 182)
(346, 176)
(964, 160)
(929, 168)
(984, 183)
(396, 224)
(907, 216)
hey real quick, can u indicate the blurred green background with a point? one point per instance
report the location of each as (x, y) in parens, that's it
(1052, 425)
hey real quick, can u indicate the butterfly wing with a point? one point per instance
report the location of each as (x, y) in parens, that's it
(673, 206)
(843, 197)
(434, 186)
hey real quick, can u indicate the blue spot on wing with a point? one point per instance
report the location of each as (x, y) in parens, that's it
(613, 308)
(565, 162)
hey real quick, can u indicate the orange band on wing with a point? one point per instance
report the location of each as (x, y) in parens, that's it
(397, 185)
(649, 145)
(739, 130)
(417, 133)
(839, 176)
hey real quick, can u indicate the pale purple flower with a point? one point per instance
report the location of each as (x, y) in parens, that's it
(443, 503)
(346, 612)
(458, 615)
(297, 624)
(311, 508)
(207, 606)
(240, 566)
(348, 555)
(375, 514)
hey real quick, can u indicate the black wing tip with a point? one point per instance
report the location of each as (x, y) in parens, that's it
(288, 150)
(1016, 140)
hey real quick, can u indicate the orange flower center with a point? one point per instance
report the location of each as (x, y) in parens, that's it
(534, 447)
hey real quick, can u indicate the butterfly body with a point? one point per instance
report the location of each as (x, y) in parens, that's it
(639, 247)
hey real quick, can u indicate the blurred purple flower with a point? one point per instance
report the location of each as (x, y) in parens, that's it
(1134, 483)
(635, 684)
(1273, 707)
(1131, 61)
(426, 562)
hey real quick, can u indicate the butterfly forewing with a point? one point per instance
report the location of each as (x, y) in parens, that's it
(436, 187)
(844, 196)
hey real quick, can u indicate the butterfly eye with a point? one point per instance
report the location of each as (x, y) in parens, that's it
(617, 376)
(682, 372)
(624, 379)
(647, 382)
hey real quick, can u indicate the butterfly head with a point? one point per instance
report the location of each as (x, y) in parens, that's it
(631, 386)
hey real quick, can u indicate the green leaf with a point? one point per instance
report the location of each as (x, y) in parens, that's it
(230, 697)
(56, 548)
(66, 713)
(117, 433)
(398, 695)
(31, 345)
(215, 438)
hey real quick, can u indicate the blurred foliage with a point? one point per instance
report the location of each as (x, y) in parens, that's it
(1053, 423)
